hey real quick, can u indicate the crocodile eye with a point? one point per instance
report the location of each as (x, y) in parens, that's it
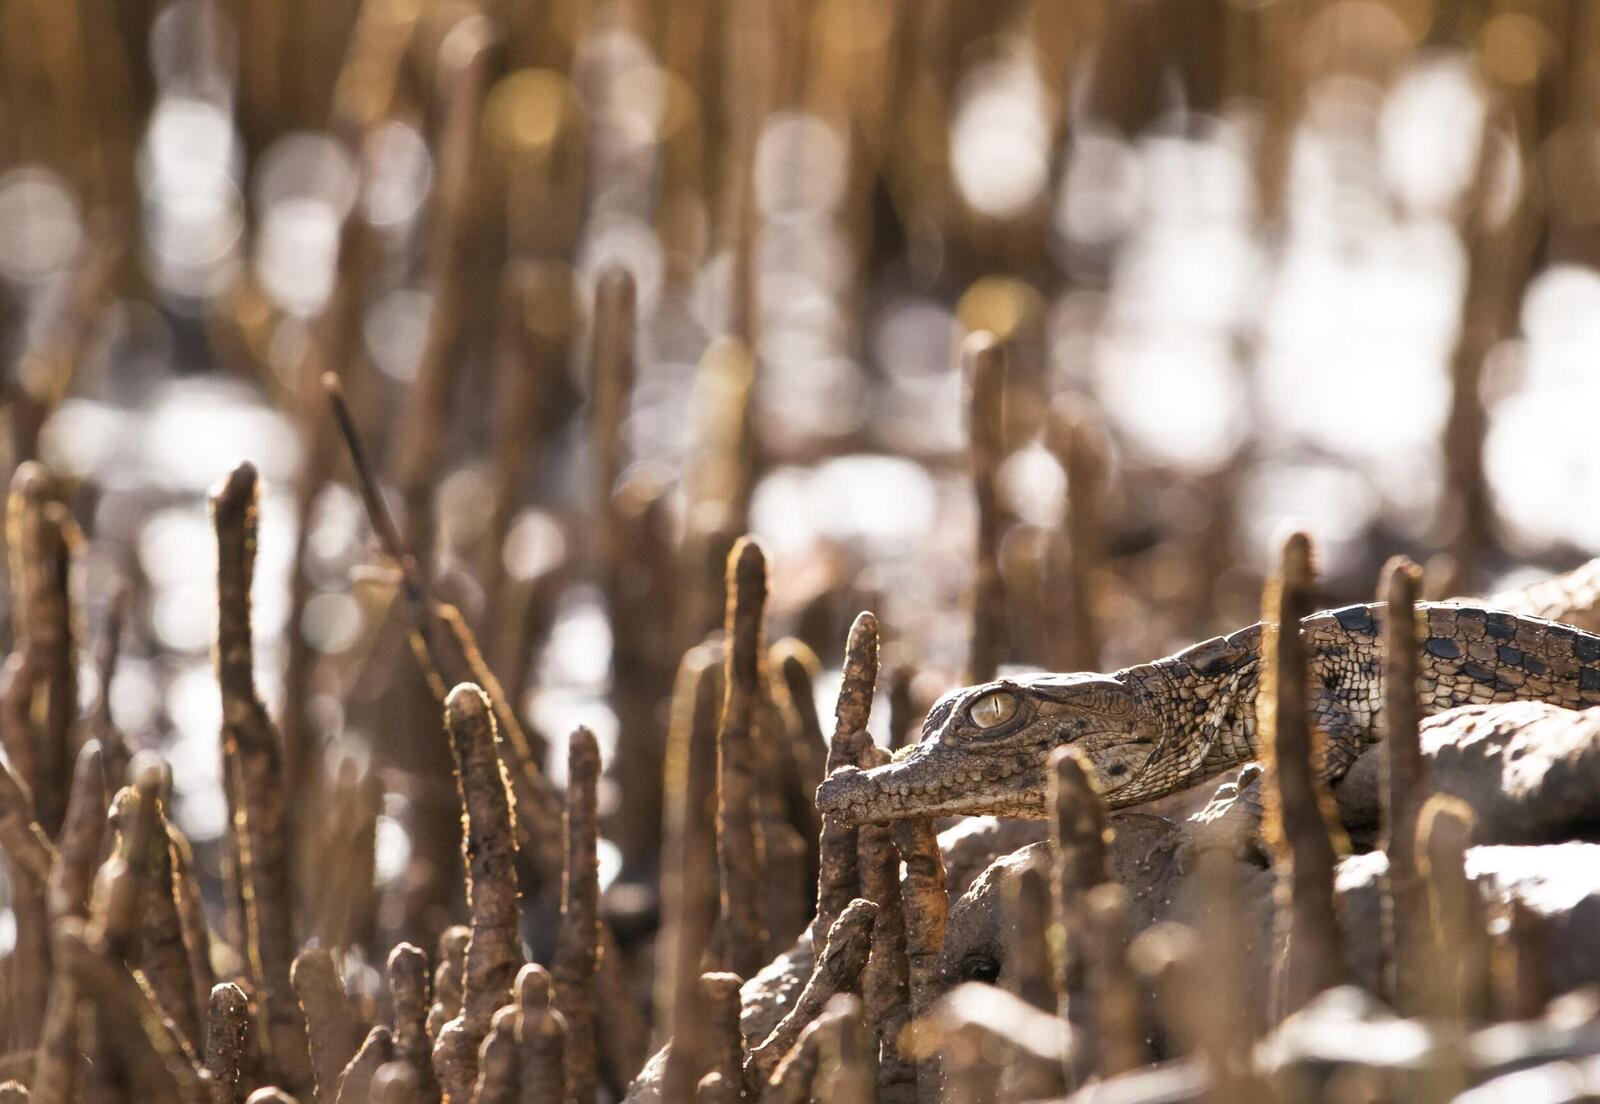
(993, 709)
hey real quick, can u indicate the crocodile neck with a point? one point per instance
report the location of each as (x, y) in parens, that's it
(1202, 702)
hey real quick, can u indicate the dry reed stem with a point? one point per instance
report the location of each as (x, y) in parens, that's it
(1078, 864)
(1458, 970)
(541, 1040)
(489, 853)
(1519, 963)
(1076, 439)
(258, 805)
(740, 846)
(408, 993)
(1296, 825)
(839, 876)
(577, 945)
(499, 1073)
(1405, 905)
(450, 954)
(1118, 1030)
(689, 898)
(983, 367)
(837, 970)
(227, 1032)
(355, 1081)
(722, 1038)
(332, 1028)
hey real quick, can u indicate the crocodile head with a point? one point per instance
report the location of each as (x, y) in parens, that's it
(984, 751)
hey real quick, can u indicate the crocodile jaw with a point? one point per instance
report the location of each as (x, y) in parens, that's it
(935, 781)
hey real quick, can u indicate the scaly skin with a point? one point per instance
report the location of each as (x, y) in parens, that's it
(1160, 727)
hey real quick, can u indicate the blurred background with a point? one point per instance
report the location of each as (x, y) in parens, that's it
(1250, 261)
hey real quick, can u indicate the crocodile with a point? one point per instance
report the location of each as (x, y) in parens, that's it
(1157, 728)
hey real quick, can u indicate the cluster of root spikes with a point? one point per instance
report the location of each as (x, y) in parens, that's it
(118, 958)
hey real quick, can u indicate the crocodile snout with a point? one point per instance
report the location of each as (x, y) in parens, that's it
(844, 795)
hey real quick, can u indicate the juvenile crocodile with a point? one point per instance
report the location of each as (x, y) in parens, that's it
(1160, 727)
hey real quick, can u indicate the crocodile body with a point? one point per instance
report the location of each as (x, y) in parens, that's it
(1160, 727)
